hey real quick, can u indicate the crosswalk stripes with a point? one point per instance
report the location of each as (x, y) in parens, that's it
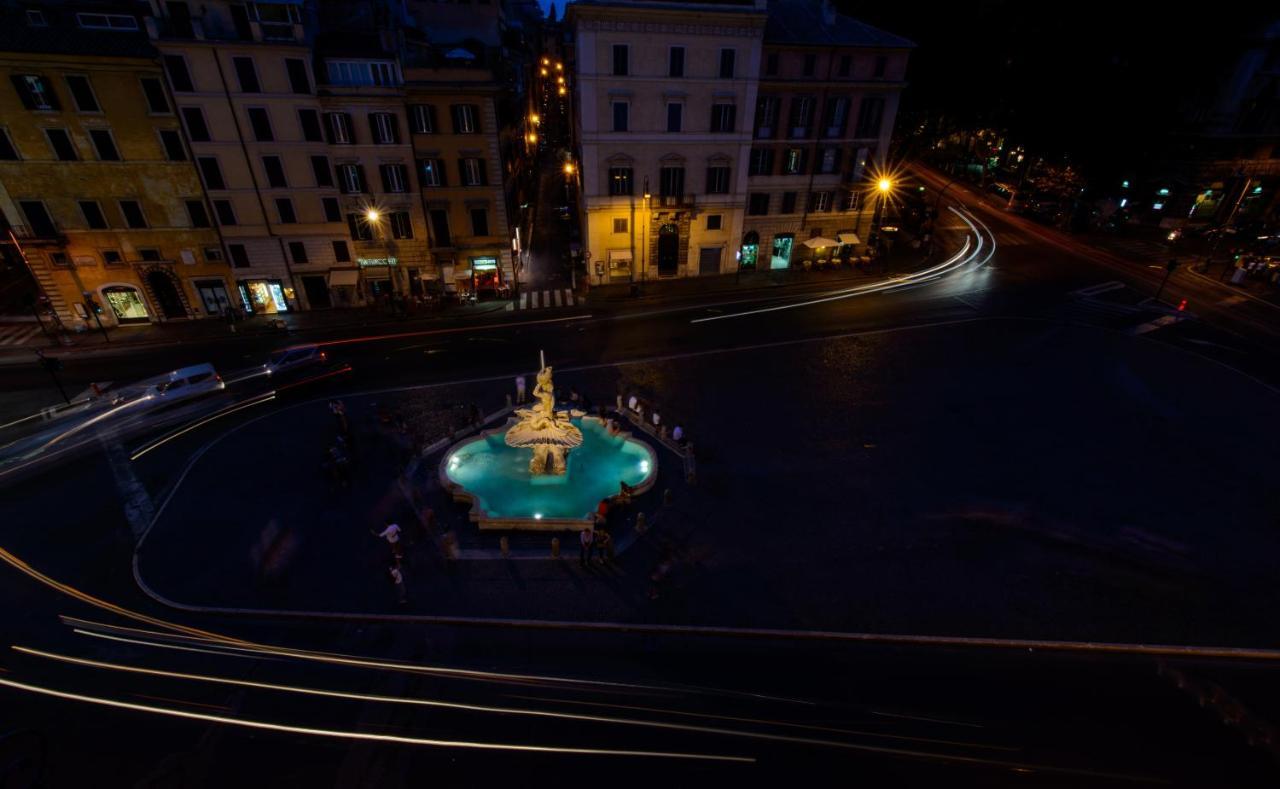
(17, 334)
(542, 299)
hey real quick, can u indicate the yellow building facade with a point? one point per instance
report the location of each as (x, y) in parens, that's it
(97, 182)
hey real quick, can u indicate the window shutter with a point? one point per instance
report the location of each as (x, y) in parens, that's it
(328, 128)
(394, 121)
(386, 178)
(337, 173)
(373, 127)
(732, 120)
(462, 171)
(475, 117)
(484, 171)
(364, 183)
(442, 172)
(455, 113)
(351, 127)
(431, 119)
(353, 226)
(20, 85)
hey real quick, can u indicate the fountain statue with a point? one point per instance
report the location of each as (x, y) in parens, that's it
(544, 429)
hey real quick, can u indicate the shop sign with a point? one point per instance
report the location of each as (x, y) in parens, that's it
(372, 262)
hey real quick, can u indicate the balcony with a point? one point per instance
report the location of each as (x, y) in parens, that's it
(686, 200)
(276, 31)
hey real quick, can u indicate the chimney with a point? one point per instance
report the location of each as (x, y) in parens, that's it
(828, 13)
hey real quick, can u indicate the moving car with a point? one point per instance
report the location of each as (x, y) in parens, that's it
(297, 357)
(181, 384)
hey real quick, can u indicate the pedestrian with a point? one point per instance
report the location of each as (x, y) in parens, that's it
(521, 395)
(586, 543)
(657, 420)
(339, 411)
(392, 535)
(677, 435)
(604, 545)
(634, 404)
(397, 578)
(574, 397)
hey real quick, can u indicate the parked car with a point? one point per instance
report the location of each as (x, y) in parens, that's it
(294, 358)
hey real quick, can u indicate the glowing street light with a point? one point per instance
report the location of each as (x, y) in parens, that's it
(568, 168)
(884, 185)
(372, 215)
(562, 91)
(559, 67)
(544, 72)
(546, 61)
(535, 119)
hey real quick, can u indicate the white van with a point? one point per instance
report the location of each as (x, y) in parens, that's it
(178, 385)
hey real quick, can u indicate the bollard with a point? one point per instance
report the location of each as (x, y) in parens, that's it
(555, 547)
(641, 525)
(619, 403)
(504, 545)
(666, 497)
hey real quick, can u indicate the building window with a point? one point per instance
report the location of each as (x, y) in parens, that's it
(620, 224)
(274, 169)
(239, 255)
(675, 116)
(714, 221)
(882, 62)
(299, 82)
(107, 21)
(793, 161)
(723, 117)
(761, 162)
(621, 114)
(179, 77)
(835, 116)
(213, 254)
(261, 124)
(341, 253)
(384, 128)
(717, 180)
(359, 227)
(362, 72)
(846, 65)
(339, 128)
(284, 207)
(621, 58)
(60, 142)
(320, 169)
(171, 142)
(111, 257)
(246, 74)
(131, 210)
(59, 259)
(332, 213)
(8, 152)
(771, 64)
(431, 172)
(309, 121)
(423, 118)
(810, 64)
(728, 58)
(39, 223)
(212, 172)
(671, 184)
(197, 213)
(766, 116)
(758, 204)
(830, 161)
(620, 181)
(472, 171)
(94, 219)
(298, 251)
(197, 129)
(150, 255)
(820, 201)
(675, 62)
(395, 178)
(82, 94)
(35, 91)
(35, 18)
(479, 222)
(788, 203)
(466, 118)
(350, 178)
(801, 116)
(104, 145)
(870, 115)
(225, 213)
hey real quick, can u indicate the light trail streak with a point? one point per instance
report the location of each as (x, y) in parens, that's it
(455, 330)
(399, 739)
(88, 422)
(159, 442)
(956, 262)
(346, 368)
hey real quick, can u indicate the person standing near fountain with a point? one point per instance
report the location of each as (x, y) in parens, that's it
(586, 543)
(521, 395)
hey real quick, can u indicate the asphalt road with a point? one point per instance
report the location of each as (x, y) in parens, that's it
(889, 712)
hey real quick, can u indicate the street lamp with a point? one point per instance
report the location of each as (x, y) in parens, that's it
(568, 168)
(372, 215)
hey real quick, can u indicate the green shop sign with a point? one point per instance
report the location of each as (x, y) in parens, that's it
(373, 262)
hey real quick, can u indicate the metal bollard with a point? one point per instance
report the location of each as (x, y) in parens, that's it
(641, 525)
(555, 547)
(504, 545)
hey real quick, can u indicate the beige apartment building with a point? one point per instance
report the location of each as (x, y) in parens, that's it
(829, 92)
(241, 74)
(665, 92)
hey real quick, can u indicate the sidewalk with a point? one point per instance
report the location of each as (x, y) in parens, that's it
(123, 339)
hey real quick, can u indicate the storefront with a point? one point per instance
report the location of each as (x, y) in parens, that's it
(379, 276)
(486, 277)
(343, 284)
(619, 265)
(750, 252)
(213, 295)
(781, 256)
(126, 304)
(264, 296)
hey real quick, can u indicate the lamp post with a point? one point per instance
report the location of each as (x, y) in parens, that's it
(374, 218)
(644, 252)
(883, 187)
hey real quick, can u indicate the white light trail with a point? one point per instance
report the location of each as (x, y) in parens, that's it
(159, 442)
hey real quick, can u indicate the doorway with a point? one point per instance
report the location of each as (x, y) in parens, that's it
(213, 294)
(709, 260)
(166, 294)
(668, 250)
(317, 291)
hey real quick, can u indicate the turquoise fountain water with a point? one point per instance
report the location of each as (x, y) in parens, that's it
(498, 478)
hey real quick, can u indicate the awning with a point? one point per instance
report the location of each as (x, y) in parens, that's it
(849, 238)
(617, 256)
(343, 276)
(821, 241)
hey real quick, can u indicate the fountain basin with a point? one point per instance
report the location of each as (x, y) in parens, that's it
(503, 493)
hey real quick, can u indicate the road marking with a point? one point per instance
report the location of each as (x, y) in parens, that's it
(17, 335)
(1158, 323)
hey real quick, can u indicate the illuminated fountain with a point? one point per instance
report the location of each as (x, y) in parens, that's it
(545, 468)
